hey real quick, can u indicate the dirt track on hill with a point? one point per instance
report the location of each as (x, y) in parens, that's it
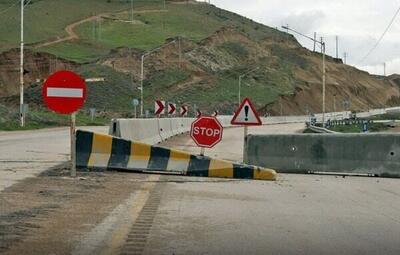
(70, 31)
(74, 36)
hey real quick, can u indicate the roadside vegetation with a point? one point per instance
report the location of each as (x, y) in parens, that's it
(36, 119)
(358, 128)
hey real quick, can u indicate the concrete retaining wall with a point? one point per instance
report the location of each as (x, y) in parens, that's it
(377, 154)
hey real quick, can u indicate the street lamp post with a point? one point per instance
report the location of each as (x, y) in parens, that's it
(142, 73)
(21, 74)
(240, 83)
(322, 45)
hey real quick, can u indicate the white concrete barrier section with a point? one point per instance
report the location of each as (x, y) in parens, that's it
(145, 130)
(175, 126)
(153, 131)
(165, 128)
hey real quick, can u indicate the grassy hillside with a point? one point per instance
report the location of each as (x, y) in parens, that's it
(215, 48)
(151, 26)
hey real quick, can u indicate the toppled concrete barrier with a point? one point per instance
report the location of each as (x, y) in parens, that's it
(371, 154)
(106, 152)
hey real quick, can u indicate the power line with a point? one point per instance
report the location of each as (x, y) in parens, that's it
(380, 39)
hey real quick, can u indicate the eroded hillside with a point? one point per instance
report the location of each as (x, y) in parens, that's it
(281, 75)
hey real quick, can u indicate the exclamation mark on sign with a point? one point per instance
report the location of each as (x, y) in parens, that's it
(246, 112)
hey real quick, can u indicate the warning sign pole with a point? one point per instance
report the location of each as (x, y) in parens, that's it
(73, 144)
(246, 115)
(246, 132)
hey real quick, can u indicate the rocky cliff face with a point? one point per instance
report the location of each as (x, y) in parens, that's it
(37, 66)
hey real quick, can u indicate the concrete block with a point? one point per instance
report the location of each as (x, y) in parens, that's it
(376, 154)
(106, 152)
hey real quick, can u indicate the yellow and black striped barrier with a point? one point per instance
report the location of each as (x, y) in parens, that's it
(95, 150)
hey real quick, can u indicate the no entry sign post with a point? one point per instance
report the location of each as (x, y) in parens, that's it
(64, 92)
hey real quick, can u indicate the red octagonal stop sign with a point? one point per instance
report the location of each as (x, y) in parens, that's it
(64, 92)
(206, 132)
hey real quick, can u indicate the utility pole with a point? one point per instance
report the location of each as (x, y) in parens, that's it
(334, 102)
(132, 11)
(287, 32)
(180, 52)
(131, 67)
(99, 32)
(315, 40)
(322, 44)
(384, 69)
(94, 30)
(21, 69)
(345, 58)
(337, 47)
(142, 73)
(240, 83)
(323, 81)
(141, 86)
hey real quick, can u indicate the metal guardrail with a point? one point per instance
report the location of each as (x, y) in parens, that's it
(321, 130)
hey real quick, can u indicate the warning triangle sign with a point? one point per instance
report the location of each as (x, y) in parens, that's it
(246, 115)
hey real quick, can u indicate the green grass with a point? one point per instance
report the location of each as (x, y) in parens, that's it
(159, 86)
(222, 91)
(44, 119)
(236, 49)
(113, 95)
(357, 128)
(388, 116)
(79, 52)
(151, 31)
(46, 19)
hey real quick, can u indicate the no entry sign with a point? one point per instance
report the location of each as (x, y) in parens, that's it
(206, 132)
(64, 92)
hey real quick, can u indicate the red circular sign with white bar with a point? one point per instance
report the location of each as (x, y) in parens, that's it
(206, 132)
(64, 92)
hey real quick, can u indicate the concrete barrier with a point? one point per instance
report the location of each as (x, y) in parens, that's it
(145, 130)
(155, 130)
(165, 128)
(106, 152)
(375, 154)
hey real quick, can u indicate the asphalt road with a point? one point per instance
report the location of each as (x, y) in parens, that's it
(25, 154)
(131, 213)
(298, 214)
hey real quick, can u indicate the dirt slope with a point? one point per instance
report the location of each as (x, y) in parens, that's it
(205, 62)
(37, 66)
(281, 75)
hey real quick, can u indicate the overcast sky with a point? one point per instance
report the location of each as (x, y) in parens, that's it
(358, 23)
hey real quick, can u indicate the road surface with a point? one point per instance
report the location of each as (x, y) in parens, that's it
(129, 213)
(25, 154)
(231, 146)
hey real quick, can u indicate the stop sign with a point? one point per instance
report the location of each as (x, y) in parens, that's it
(64, 92)
(206, 132)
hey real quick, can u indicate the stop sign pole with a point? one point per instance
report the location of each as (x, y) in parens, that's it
(64, 92)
